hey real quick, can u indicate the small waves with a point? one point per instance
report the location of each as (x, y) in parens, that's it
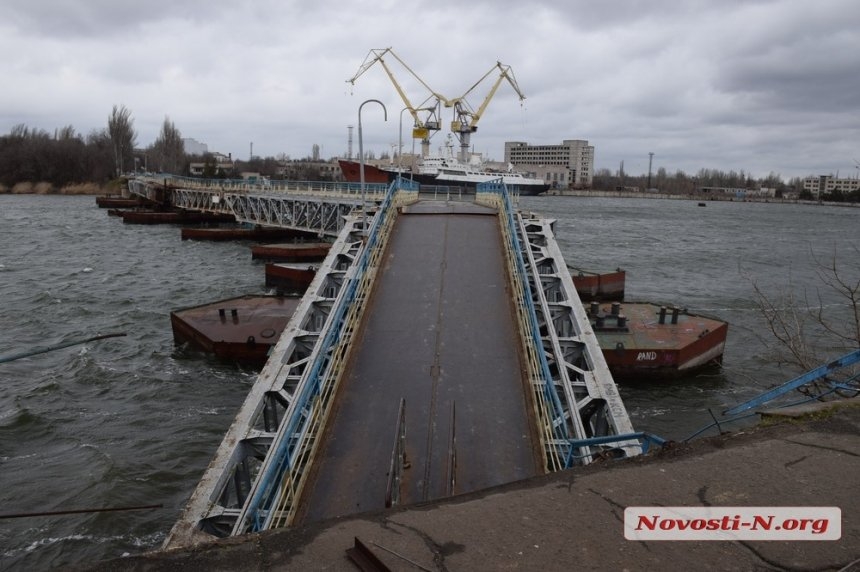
(113, 421)
(136, 420)
(21, 419)
(65, 544)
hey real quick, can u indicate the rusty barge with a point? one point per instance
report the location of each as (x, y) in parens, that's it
(644, 341)
(241, 329)
(607, 286)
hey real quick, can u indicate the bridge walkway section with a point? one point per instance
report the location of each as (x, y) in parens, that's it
(440, 331)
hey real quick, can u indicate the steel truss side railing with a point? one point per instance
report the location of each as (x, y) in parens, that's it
(146, 189)
(200, 200)
(318, 207)
(373, 191)
(259, 470)
(539, 379)
(322, 215)
(575, 396)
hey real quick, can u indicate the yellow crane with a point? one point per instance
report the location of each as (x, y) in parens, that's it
(422, 128)
(465, 120)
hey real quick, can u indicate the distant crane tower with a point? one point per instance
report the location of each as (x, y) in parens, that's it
(465, 120)
(422, 128)
(349, 143)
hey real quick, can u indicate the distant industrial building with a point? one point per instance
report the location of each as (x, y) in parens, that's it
(194, 147)
(218, 162)
(310, 170)
(827, 184)
(570, 164)
(739, 193)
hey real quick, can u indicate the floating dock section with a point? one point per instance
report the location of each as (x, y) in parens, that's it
(643, 341)
(440, 348)
(243, 329)
(291, 252)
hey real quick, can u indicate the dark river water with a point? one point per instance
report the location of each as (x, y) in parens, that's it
(134, 420)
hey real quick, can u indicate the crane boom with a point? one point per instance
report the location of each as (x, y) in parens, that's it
(506, 73)
(465, 120)
(421, 127)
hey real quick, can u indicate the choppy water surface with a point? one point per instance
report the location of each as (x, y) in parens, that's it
(134, 420)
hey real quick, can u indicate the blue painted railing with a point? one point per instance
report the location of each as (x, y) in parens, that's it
(848, 359)
(259, 506)
(560, 430)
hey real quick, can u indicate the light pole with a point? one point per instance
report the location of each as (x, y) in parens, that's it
(400, 145)
(361, 163)
(650, 158)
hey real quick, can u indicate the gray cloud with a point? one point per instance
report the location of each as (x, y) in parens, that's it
(760, 86)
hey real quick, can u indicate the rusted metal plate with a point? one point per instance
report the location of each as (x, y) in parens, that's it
(292, 276)
(240, 233)
(113, 202)
(177, 217)
(241, 329)
(607, 287)
(638, 344)
(298, 252)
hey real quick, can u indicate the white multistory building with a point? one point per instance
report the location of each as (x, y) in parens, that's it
(194, 147)
(827, 184)
(570, 164)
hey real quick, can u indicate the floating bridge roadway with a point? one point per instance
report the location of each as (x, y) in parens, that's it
(440, 349)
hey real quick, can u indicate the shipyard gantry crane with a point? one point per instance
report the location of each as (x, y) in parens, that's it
(422, 128)
(465, 120)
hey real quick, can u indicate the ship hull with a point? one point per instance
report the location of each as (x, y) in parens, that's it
(352, 173)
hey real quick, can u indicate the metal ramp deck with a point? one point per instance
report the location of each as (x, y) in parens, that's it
(440, 333)
(439, 349)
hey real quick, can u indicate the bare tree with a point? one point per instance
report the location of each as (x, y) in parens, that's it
(122, 136)
(168, 149)
(809, 329)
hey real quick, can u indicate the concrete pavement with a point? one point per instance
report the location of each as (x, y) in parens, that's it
(573, 520)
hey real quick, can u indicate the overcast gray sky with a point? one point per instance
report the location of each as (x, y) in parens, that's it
(770, 85)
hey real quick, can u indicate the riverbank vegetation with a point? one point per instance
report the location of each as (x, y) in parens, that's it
(680, 183)
(112, 187)
(68, 162)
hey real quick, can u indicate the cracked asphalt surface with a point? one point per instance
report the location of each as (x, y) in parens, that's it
(572, 520)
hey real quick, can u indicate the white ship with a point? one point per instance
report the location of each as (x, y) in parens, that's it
(448, 171)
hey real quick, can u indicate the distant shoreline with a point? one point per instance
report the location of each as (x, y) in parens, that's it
(44, 188)
(115, 188)
(697, 198)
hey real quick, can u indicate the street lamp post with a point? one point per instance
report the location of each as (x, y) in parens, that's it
(650, 158)
(400, 145)
(361, 163)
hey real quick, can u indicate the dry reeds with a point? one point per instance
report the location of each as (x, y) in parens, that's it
(45, 188)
